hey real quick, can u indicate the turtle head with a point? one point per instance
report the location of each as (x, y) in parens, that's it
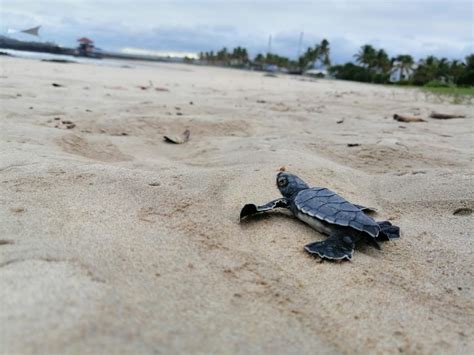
(289, 184)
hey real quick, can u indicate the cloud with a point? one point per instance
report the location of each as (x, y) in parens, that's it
(418, 27)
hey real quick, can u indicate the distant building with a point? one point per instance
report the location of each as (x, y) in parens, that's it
(272, 68)
(318, 73)
(86, 48)
(400, 73)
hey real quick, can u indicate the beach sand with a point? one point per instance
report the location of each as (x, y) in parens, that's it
(113, 241)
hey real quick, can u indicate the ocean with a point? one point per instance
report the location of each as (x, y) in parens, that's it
(50, 56)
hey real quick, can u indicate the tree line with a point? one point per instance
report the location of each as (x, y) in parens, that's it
(371, 65)
(374, 65)
(239, 57)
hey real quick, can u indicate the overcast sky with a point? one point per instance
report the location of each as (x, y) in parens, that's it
(419, 27)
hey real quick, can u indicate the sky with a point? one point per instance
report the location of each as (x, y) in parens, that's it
(444, 28)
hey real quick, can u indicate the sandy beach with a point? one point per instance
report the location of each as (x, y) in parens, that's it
(114, 241)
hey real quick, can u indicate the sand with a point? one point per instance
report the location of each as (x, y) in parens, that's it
(113, 241)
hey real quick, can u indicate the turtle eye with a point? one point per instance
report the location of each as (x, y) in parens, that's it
(282, 182)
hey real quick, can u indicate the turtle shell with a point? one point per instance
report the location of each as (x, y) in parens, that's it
(328, 206)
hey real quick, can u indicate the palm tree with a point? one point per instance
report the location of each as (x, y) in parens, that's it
(443, 69)
(314, 55)
(244, 55)
(382, 62)
(259, 58)
(431, 61)
(467, 76)
(427, 70)
(222, 55)
(306, 59)
(366, 56)
(470, 62)
(324, 52)
(456, 69)
(311, 56)
(275, 59)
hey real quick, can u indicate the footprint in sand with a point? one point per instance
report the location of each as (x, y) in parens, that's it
(102, 150)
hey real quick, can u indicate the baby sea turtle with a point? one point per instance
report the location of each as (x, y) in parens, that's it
(328, 213)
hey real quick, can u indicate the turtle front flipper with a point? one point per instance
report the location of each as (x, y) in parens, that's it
(251, 209)
(338, 246)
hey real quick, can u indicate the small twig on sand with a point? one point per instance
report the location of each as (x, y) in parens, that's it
(403, 118)
(445, 116)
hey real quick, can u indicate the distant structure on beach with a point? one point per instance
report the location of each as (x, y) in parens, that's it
(317, 73)
(44, 47)
(86, 48)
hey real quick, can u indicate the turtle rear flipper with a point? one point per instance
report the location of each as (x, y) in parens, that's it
(388, 230)
(366, 209)
(337, 247)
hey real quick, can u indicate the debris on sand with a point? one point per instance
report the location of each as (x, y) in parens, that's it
(64, 61)
(340, 121)
(69, 124)
(353, 144)
(64, 123)
(56, 85)
(404, 118)
(445, 116)
(462, 212)
(151, 86)
(261, 101)
(156, 89)
(178, 139)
